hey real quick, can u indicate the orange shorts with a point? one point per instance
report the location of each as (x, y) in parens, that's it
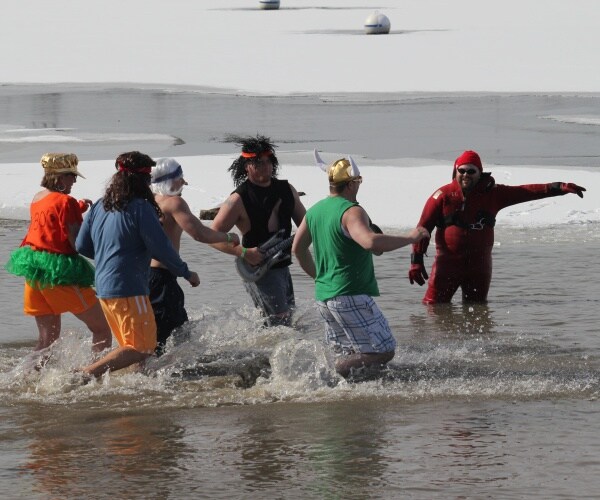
(131, 320)
(57, 299)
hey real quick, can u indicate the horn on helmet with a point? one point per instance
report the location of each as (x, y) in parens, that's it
(319, 162)
(355, 172)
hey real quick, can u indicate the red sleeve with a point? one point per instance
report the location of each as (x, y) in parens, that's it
(513, 195)
(432, 212)
(72, 212)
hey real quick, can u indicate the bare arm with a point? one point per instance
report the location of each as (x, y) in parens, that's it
(356, 222)
(299, 210)
(183, 217)
(300, 249)
(232, 213)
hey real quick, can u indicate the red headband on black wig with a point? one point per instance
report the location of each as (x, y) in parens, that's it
(262, 154)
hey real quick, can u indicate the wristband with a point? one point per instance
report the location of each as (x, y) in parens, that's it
(416, 258)
(244, 250)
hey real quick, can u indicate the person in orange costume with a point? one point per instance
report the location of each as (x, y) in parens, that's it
(57, 278)
(464, 213)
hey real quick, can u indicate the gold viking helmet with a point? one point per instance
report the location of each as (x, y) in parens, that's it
(60, 163)
(340, 171)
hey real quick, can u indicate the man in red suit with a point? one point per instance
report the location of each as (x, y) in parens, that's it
(464, 213)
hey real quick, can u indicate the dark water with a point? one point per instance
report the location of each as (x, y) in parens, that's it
(489, 401)
(99, 122)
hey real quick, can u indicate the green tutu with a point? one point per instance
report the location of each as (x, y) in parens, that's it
(44, 269)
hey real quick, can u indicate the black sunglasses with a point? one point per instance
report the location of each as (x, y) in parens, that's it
(469, 171)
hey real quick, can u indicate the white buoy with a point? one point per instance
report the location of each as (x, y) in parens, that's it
(269, 4)
(377, 24)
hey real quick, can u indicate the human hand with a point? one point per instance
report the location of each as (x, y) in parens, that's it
(194, 279)
(422, 233)
(233, 239)
(253, 256)
(417, 272)
(572, 188)
(86, 203)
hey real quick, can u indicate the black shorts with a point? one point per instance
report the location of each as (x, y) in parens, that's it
(168, 301)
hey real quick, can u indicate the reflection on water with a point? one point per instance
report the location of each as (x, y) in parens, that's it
(454, 319)
(63, 462)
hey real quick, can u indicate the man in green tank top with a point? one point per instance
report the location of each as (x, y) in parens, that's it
(344, 241)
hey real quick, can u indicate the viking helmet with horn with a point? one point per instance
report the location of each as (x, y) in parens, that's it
(340, 171)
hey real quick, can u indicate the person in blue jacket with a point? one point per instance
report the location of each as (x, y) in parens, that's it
(122, 233)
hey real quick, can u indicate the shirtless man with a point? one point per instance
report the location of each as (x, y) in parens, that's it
(166, 296)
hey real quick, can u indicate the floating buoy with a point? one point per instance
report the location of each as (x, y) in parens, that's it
(269, 4)
(377, 24)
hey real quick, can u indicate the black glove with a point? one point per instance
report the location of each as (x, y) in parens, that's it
(417, 272)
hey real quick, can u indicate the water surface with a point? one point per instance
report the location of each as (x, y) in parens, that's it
(496, 400)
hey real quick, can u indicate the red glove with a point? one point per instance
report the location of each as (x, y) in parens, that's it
(417, 272)
(572, 188)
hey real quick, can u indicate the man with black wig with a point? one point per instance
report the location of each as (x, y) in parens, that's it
(260, 206)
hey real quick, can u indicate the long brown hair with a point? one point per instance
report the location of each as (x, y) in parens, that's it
(131, 181)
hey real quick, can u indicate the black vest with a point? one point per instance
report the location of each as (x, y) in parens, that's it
(259, 202)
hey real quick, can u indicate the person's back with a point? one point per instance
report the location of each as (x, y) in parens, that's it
(122, 233)
(343, 241)
(124, 243)
(166, 296)
(343, 266)
(57, 279)
(170, 205)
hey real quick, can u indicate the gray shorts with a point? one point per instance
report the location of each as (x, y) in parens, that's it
(273, 293)
(354, 323)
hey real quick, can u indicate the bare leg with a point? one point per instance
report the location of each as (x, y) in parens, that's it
(121, 357)
(96, 322)
(49, 330)
(358, 360)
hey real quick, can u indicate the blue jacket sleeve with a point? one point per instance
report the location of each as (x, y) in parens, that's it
(84, 244)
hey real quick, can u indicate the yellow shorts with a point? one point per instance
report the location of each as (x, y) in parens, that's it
(57, 300)
(131, 320)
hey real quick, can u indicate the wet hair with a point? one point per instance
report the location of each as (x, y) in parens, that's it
(51, 181)
(251, 145)
(130, 182)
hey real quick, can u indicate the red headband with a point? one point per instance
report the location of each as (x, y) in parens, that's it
(262, 154)
(135, 170)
